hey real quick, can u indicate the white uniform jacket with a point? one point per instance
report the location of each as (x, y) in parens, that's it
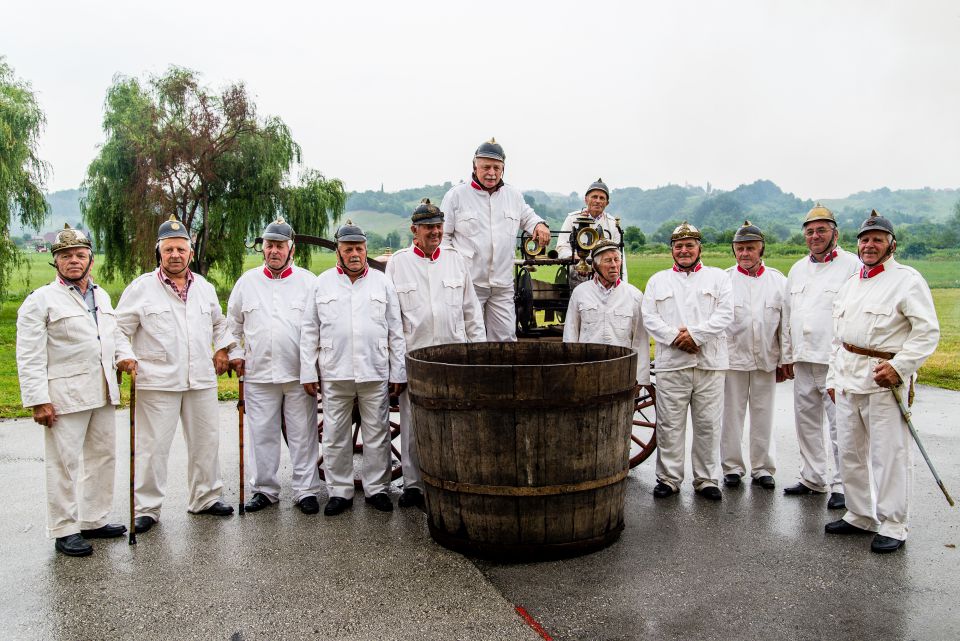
(806, 329)
(437, 302)
(891, 311)
(611, 317)
(483, 227)
(753, 338)
(174, 341)
(701, 301)
(605, 222)
(352, 330)
(63, 356)
(265, 315)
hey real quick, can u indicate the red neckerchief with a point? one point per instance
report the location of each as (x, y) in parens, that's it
(746, 273)
(365, 270)
(867, 272)
(476, 185)
(419, 252)
(697, 268)
(176, 290)
(269, 274)
(826, 259)
(598, 282)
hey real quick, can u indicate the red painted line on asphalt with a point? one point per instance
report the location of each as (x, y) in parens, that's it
(533, 623)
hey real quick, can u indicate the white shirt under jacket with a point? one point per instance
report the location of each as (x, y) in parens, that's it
(483, 228)
(611, 317)
(701, 301)
(807, 329)
(64, 357)
(265, 315)
(891, 311)
(352, 330)
(604, 222)
(753, 338)
(174, 341)
(437, 302)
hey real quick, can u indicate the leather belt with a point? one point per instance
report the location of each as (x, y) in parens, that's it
(872, 353)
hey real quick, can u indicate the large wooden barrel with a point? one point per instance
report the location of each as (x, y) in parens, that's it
(524, 447)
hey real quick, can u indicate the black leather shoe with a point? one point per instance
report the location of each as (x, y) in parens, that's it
(662, 490)
(380, 502)
(73, 545)
(843, 527)
(799, 489)
(731, 480)
(710, 493)
(336, 505)
(108, 531)
(257, 502)
(143, 523)
(309, 505)
(885, 544)
(411, 497)
(836, 501)
(218, 509)
(766, 482)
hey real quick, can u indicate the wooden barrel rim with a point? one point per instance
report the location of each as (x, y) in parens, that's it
(513, 490)
(463, 404)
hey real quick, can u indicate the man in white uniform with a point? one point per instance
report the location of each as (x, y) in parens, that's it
(812, 286)
(595, 200)
(352, 329)
(67, 346)
(265, 311)
(753, 342)
(437, 306)
(181, 339)
(686, 310)
(606, 310)
(885, 328)
(481, 222)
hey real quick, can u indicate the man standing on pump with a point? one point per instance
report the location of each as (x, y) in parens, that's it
(482, 218)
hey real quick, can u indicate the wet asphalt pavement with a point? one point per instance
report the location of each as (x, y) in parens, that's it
(755, 566)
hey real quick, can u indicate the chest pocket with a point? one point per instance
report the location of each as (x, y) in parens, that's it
(877, 314)
(408, 295)
(326, 307)
(295, 310)
(707, 301)
(468, 223)
(622, 320)
(67, 324)
(664, 301)
(589, 314)
(158, 320)
(378, 307)
(453, 291)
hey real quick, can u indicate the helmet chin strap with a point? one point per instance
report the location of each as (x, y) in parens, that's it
(286, 263)
(343, 265)
(606, 281)
(75, 283)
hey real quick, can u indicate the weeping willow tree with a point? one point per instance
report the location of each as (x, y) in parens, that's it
(22, 173)
(174, 147)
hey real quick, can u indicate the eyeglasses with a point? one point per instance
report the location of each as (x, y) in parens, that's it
(817, 231)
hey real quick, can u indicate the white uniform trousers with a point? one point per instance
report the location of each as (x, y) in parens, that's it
(499, 313)
(757, 389)
(264, 404)
(409, 454)
(701, 391)
(876, 456)
(338, 436)
(157, 415)
(810, 403)
(79, 451)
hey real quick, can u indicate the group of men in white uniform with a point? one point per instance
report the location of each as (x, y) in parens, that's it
(722, 340)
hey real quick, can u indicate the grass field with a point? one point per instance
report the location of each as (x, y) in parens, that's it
(941, 369)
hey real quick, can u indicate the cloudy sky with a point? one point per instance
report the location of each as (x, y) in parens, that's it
(825, 98)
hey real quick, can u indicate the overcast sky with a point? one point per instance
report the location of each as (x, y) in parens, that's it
(825, 98)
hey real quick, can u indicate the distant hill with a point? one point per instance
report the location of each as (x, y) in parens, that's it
(762, 201)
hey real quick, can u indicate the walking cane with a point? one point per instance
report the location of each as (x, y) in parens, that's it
(133, 448)
(916, 437)
(241, 409)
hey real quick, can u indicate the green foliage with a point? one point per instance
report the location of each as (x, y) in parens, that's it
(175, 147)
(633, 239)
(22, 173)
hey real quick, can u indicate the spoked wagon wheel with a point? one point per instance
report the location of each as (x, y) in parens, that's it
(395, 470)
(643, 439)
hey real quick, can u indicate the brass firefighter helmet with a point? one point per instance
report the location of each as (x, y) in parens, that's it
(68, 238)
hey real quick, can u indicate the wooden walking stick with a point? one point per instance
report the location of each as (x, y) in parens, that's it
(133, 448)
(241, 410)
